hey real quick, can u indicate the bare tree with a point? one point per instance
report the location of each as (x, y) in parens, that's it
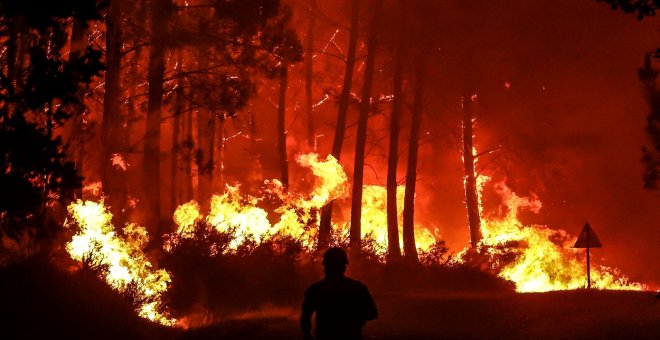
(470, 180)
(309, 72)
(409, 246)
(393, 247)
(160, 10)
(113, 133)
(340, 128)
(361, 139)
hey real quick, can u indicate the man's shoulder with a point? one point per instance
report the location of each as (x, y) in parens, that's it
(355, 283)
(344, 281)
(315, 286)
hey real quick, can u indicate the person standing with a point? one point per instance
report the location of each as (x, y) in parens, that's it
(342, 305)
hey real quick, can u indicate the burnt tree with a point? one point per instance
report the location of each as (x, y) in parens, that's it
(393, 247)
(651, 156)
(205, 131)
(309, 72)
(340, 129)
(281, 127)
(409, 246)
(361, 139)
(469, 176)
(41, 90)
(113, 176)
(160, 10)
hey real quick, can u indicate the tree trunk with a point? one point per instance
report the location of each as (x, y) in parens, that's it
(77, 130)
(12, 51)
(113, 177)
(205, 135)
(309, 71)
(281, 127)
(409, 247)
(651, 155)
(132, 104)
(220, 154)
(152, 147)
(340, 129)
(361, 138)
(189, 142)
(176, 140)
(471, 194)
(393, 247)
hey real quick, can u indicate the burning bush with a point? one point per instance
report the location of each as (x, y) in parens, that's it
(118, 259)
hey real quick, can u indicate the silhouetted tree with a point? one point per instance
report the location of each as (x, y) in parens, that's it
(286, 49)
(651, 156)
(40, 91)
(361, 139)
(393, 247)
(340, 129)
(113, 137)
(409, 245)
(647, 75)
(309, 71)
(641, 8)
(159, 15)
(469, 175)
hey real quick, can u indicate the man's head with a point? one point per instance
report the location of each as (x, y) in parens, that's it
(335, 261)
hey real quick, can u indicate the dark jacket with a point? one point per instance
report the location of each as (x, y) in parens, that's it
(342, 306)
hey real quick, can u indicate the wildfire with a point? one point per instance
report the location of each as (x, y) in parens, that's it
(120, 260)
(374, 219)
(238, 215)
(537, 258)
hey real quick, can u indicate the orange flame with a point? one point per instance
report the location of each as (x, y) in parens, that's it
(127, 267)
(543, 258)
(239, 215)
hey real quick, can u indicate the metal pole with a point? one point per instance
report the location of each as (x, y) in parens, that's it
(588, 270)
(588, 264)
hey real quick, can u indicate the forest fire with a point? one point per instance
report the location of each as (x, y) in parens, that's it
(119, 259)
(239, 215)
(193, 165)
(535, 257)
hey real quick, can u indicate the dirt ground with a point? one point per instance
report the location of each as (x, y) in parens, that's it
(554, 315)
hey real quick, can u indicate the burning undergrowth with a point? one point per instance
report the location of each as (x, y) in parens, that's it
(245, 250)
(536, 258)
(118, 257)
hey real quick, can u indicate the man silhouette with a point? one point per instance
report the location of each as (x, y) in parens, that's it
(342, 305)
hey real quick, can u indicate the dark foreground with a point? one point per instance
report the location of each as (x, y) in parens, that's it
(43, 304)
(568, 314)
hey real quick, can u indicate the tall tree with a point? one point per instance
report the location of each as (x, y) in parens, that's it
(340, 129)
(641, 8)
(160, 11)
(205, 130)
(393, 247)
(175, 163)
(281, 127)
(309, 72)
(78, 130)
(361, 139)
(470, 180)
(651, 156)
(113, 141)
(41, 90)
(647, 75)
(409, 246)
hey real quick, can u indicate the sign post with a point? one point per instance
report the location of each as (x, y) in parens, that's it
(587, 239)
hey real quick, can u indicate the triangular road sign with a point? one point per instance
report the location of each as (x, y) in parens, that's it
(587, 238)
